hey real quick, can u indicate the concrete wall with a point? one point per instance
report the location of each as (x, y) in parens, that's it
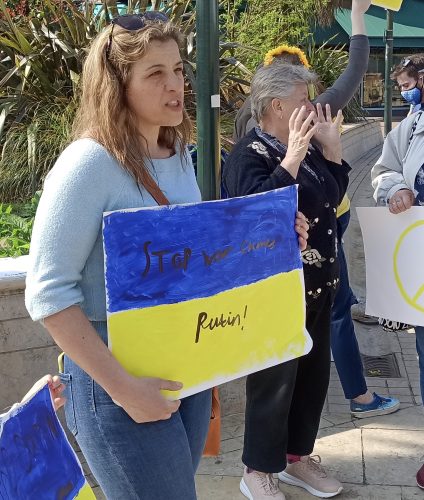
(27, 351)
(359, 138)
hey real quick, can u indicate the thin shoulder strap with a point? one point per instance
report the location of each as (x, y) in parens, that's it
(154, 190)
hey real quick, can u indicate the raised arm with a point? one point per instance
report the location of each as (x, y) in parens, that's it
(344, 88)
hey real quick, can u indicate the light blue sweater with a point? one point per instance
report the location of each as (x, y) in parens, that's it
(66, 254)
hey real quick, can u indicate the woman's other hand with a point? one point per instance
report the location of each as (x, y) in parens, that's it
(328, 133)
(56, 390)
(300, 134)
(302, 227)
(401, 201)
(142, 399)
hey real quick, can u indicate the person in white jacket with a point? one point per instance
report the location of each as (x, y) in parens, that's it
(398, 182)
(396, 174)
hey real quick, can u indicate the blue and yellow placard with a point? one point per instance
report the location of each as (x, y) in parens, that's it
(36, 459)
(207, 292)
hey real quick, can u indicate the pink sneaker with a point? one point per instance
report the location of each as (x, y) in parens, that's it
(308, 473)
(260, 486)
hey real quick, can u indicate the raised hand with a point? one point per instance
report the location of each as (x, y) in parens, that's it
(361, 6)
(300, 134)
(328, 133)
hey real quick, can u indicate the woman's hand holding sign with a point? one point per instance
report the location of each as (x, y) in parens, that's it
(141, 398)
(302, 227)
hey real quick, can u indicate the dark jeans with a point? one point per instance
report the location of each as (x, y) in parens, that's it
(284, 403)
(343, 339)
(152, 461)
(419, 332)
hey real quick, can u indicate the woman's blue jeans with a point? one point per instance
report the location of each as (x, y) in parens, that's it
(152, 461)
(344, 345)
(419, 332)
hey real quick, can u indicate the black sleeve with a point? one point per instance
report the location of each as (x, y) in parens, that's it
(340, 174)
(247, 172)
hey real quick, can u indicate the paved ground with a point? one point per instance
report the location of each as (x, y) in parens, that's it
(375, 458)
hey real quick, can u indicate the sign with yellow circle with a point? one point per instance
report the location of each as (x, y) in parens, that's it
(394, 248)
(415, 298)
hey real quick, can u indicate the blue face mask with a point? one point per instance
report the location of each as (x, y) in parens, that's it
(413, 96)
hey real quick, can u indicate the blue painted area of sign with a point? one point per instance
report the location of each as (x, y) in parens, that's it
(164, 255)
(36, 459)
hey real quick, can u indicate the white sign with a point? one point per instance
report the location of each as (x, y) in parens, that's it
(394, 258)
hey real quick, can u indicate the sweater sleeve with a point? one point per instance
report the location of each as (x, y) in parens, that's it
(67, 224)
(247, 172)
(344, 88)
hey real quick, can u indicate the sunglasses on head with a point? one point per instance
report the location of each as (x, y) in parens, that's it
(134, 22)
(406, 62)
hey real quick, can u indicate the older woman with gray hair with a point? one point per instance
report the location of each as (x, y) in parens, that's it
(284, 403)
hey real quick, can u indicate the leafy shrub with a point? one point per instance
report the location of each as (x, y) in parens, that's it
(42, 57)
(29, 150)
(16, 222)
(258, 26)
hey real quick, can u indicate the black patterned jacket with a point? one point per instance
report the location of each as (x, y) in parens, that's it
(253, 166)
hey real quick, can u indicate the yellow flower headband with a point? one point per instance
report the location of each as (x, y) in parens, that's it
(286, 49)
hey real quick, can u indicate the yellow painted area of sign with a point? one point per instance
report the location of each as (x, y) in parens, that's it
(411, 300)
(86, 493)
(388, 4)
(205, 342)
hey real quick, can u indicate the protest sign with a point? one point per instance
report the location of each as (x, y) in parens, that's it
(388, 4)
(36, 459)
(206, 292)
(393, 256)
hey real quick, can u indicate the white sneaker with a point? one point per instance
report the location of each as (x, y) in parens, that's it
(260, 486)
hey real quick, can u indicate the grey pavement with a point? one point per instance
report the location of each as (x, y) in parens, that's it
(375, 458)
